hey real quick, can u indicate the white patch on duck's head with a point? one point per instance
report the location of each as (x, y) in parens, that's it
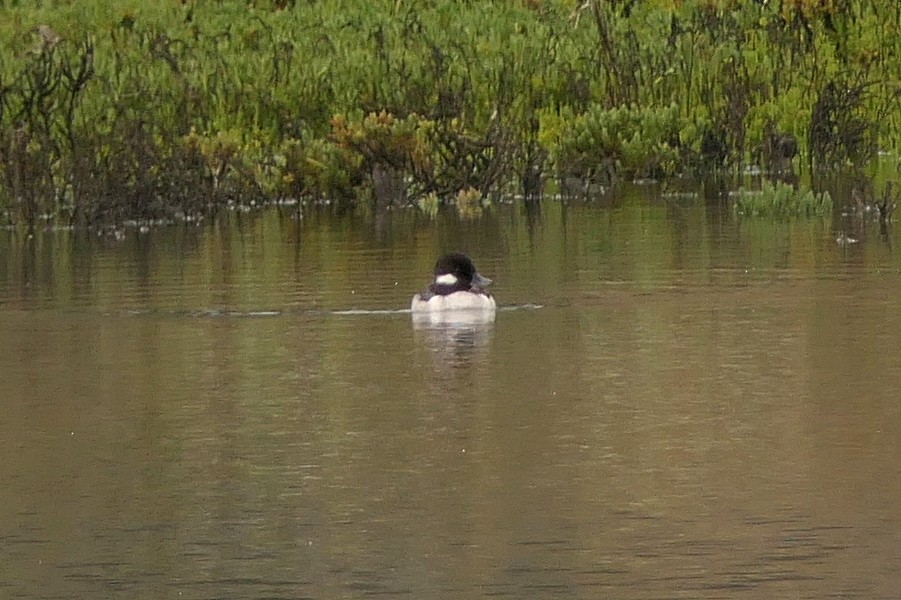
(446, 279)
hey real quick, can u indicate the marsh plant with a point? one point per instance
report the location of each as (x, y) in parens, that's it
(782, 200)
(122, 110)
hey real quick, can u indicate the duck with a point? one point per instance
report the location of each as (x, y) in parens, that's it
(457, 287)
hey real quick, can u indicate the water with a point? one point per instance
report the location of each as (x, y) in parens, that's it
(670, 404)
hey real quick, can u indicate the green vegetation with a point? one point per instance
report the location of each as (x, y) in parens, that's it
(138, 110)
(782, 200)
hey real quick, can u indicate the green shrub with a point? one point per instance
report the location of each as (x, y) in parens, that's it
(627, 140)
(782, 200)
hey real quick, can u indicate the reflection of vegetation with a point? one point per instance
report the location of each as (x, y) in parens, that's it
(782, 200)
(111, 111)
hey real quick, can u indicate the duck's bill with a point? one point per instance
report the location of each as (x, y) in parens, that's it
(481, 281)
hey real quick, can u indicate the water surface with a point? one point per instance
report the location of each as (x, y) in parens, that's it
(671, 403)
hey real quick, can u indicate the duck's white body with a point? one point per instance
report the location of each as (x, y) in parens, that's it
(457, 293)
(457, 301)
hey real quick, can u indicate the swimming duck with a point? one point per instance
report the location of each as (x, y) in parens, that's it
(457, 287)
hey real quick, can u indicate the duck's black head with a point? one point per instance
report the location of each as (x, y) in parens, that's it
(455, 272)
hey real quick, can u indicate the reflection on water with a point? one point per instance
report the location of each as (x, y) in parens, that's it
(454, 346)
(668, 404)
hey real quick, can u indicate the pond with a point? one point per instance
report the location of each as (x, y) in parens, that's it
(672, 402)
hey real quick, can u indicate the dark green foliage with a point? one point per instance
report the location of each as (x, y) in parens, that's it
(840, 132)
